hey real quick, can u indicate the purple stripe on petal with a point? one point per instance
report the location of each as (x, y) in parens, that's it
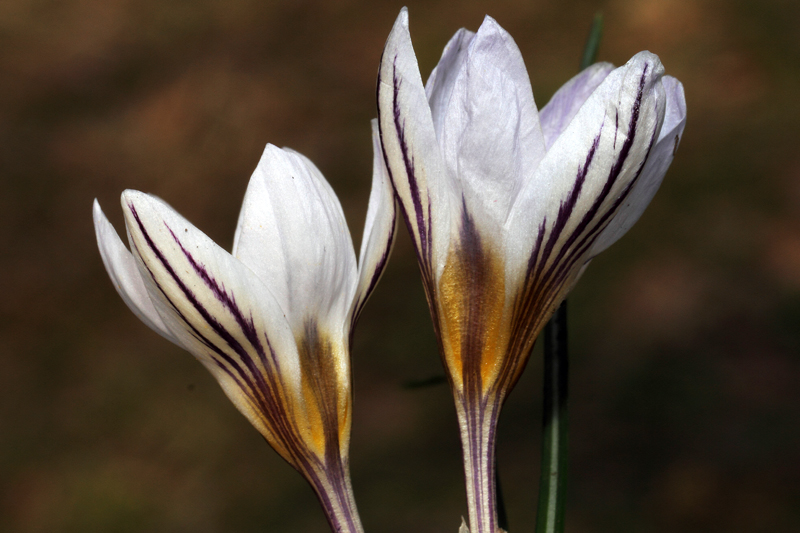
(603, 221)
(227, 300)
(423, 229)
(533, 259)
(270, 406)
(247, 387)
(543, 287)
(614, 172)
(567, 207)
(192, 298)
(616, 168)
(376, 276)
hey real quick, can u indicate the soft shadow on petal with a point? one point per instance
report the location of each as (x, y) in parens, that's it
(564, 105)
(491, 139)
(220, 311)
(411, 151)
(379, 230)
(124, 273)
(293, 235)
(658, 162)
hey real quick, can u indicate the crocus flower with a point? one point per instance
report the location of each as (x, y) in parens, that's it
(272, 321)
(506, 205)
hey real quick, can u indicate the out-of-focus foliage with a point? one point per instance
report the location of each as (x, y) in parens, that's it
(685, 407)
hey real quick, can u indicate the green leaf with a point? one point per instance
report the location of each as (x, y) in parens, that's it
(593, 42)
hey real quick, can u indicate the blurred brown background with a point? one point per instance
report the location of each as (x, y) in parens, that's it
(684, 335)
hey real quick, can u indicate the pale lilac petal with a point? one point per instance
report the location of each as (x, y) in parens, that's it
(216, 307)
(292, 233)
(411, 151)
(654, 170)
(439, 87)
(124, 274)
(491, 139)
(564, 105)
(589, 171)
(379, 229)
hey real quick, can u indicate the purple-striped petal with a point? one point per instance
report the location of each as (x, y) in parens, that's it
(564, 105)
(654, 170)
(581, 183)
(379, 230)
(505, 215)
(218, 309)
(410, 149)
(293, 386)
(124, 274)
(293, 235)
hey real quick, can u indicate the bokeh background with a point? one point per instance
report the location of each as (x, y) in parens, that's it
(685, 404)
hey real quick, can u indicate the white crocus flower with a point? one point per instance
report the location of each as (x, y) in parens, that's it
(507, 205)
(272, 321)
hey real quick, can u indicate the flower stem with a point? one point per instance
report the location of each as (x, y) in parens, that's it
(336, 496)
(552, 484)
(478, 431)
(553, 476)
(593, 42)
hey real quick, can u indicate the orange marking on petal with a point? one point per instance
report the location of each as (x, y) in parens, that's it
(323, 410)
(473, 320)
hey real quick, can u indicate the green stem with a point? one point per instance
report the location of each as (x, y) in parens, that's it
(593, 42)
(553, 480)
(555, 423)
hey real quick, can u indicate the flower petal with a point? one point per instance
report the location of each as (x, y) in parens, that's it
(582, 181)
(491, 138)
(292, 233)
(564, 105)
(121, 267)
(220, 311)
(410, 149)
(439, 87)
(653, 173)
(379, 229)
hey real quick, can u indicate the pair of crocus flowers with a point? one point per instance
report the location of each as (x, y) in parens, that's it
(506, 206)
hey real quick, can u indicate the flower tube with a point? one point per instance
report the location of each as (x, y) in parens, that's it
(507, 204)
(272, 320)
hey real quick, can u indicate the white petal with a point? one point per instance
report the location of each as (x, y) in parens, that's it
(653, 173)
(218, 309)
(440, 83)
(410, 149)
(564, 105)
(587, 174)
(379, 229)
(292, 233)
(491, 138)
(121, 267)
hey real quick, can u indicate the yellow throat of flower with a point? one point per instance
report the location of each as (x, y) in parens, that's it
(324, 418)
(473, 320)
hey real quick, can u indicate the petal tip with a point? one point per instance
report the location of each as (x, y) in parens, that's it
(675, 92)
(401, 22)
(489, 22)
(491, 28)
(130, 196)
(101, 223)
(648, 58)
